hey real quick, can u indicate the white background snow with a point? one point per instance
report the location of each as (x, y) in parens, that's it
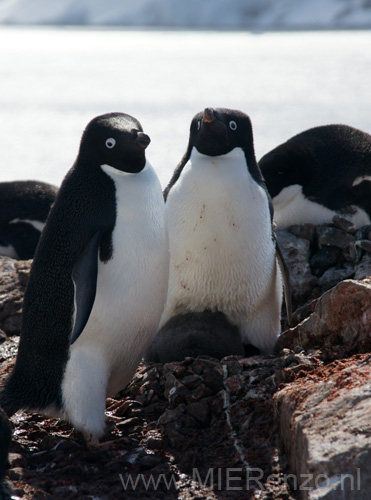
(53, 80)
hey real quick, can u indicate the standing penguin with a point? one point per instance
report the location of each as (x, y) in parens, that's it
(222, 245)
(24, 208)
(98, 282)
(319, 173)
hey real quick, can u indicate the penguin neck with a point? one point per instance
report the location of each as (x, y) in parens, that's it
(234, 158)
(112, 171)
(236, 154)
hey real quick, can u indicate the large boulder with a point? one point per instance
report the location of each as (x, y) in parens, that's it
(325, 429)
(341, 318)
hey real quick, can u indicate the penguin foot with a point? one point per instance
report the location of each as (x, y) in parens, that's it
(92, 442)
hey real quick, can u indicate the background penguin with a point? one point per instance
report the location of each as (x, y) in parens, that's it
(319, 173)
(98, 282)
(24, 207)
(194, 334)
(5, 439)
(222, 246)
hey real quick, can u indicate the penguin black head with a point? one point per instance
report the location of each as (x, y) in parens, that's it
(216, 132)
(114, 139)
(285, 166)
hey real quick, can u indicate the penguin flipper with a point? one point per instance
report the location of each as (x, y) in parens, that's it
(84, 276)
(286, 281)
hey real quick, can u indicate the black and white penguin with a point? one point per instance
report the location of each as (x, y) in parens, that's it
(222, 244)
(319, 173)
(24, 208)
(194, 334)
(98, 281)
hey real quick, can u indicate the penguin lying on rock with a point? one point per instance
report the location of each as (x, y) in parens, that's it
(24, 207)
(98, 282)
(223, 251)
(319, 173)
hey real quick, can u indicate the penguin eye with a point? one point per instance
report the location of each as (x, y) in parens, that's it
(110, 143)
(233, 125)
(198, 124)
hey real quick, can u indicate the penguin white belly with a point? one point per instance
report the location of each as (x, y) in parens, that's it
(292, 207)
(221, 247)
(8, 251)
(131, 292)
(36, 224)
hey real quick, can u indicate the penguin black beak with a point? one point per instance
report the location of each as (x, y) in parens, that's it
(142, 140)
(209, 115)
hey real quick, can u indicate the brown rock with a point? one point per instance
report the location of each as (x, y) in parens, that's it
(342, 316)
(306, 231)
(331, 236)
(325, 428)
(296, 252)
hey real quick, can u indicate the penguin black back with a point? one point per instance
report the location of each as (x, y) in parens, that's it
(326, 162)
(85, 206)
(24, 208)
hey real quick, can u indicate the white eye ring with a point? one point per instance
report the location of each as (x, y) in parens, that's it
(233, 125)
(198, 124)
(110, 143)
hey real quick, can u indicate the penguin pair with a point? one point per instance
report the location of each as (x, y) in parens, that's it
(99, 279)
(24, 208)
(319, 173)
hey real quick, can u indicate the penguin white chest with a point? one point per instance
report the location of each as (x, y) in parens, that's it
(221, 247)
(132, 285)
(291, 207)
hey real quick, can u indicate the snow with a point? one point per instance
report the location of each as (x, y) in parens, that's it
(54, 81)
(261, 14)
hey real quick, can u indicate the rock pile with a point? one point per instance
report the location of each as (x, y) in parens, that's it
(13, 279)
(294, 425)
(320, 256)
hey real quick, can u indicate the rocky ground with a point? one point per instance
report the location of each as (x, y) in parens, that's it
(293, 425)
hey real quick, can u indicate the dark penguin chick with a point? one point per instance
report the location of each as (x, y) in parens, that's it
(98, 281)
(5, 440)
(195, 334)
(320, 173)
(24, 208)
(223, 251)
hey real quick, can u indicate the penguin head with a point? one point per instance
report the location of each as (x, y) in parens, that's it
(115, 139)
(217, 131)
(285, 166)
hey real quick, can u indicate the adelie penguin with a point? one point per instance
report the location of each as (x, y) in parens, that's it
(222, 245)
(319, 173)
(98, 282)
(24, 208)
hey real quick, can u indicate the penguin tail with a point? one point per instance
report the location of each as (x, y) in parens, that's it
(11, 399)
